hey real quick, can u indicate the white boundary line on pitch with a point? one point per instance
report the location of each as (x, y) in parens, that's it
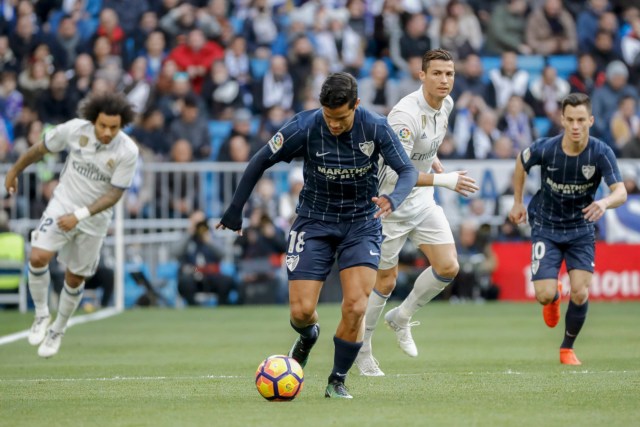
(244, 377)
(76, 320)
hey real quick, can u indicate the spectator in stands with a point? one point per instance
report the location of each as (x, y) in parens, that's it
(377, 92)
(199, 257)
(503, 149)
(107, 64)
(8, 61)
(140, 35)
(385, 23)
(288, 201)
(506, 81)
(192, 126)
(260, 29)
(67, 40)
(604, 49)
(470, 78)
(177, 192)
(154, 52)
(238, 150)
(275, 88)
(588, 22)
(264, 197)
(11, 100)
(56, 105)
(237, 60)
(587, 77)
(218, 10)
(33, 81)
(506, 28)
(301, 57)
(271, 123)
(453, 40)
(447, 150)
(625, 123)
(630, 179)
(483, 136)
(128, 12)
(468, 108)
(547, 92)
(605, 99)
(135, 85)
(150, 133)
(82, 75)
(171, 103)
(551, 30)
(336, 41)
(516, 124)
(411, 41)
(196, 57)
(23, 39)
(262, 243)
(109, 27)
(242, 125)
(509, 232)
(466, 22)
(184, 19)
(477, 262)
(631, 50)
(221, 92)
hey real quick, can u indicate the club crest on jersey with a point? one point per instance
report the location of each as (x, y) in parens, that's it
(526, 155)
(535, 264)
(111, 164)
(84, 140)
(367, 148)
(292, 261)
(588, 171)
(275, 143)
(404, 134)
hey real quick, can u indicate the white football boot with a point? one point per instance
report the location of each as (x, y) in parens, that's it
(403, 332)
(368, 365)
(51, 344)
(38, 329)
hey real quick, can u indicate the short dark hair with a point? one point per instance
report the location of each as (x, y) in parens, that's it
(575, 99)
(433, 55)
(339, 89)
(111, 104)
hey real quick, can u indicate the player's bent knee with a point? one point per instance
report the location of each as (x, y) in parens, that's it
(302, 313)
(39, 259)
(448, 270)
(580, 296)
(545, 297)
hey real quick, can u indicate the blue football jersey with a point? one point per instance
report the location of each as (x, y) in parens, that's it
(341, 172)
(569, 183)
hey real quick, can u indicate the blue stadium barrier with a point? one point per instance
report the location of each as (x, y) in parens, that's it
(258, 67)
(219, 130)
(542, 126)
(564, 64)
(365, 70)
(533, 64)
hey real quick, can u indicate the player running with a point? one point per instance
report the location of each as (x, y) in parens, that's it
(563, 213)
(100, 166)
(420, 121)
(338, 212)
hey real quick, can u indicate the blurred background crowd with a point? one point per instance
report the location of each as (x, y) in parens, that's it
(213, 80)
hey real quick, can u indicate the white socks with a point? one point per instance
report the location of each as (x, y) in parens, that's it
(426, 287)
(69, 300)
(39, 279)
(375, 306)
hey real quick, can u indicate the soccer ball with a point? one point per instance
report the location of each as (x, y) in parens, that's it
(279, 378)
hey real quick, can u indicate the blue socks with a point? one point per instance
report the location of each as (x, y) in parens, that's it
(343, 358)
(574, 319)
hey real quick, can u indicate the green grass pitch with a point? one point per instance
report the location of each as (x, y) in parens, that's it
(479, 365)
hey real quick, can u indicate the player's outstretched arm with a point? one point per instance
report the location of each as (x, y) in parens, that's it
(597, 208)
(32, 155)
(457, 181)
(518, 213)
(69, 221)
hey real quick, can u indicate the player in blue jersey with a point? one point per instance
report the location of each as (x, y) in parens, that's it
(563, 213)
(339, 212)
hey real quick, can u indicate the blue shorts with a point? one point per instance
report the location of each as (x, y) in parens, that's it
(313, 245)
(547, 254)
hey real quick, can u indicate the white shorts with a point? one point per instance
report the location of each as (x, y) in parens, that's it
(78, 251)
(429, 228)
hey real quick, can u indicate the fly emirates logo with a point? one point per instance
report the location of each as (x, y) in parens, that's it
(344, 173)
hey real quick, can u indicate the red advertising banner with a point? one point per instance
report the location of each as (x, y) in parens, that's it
(616, 275)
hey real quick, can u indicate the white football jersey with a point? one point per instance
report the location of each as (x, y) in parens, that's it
(421, 129)
(91, 169)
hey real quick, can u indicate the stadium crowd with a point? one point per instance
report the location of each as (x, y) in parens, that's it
(213, 80)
